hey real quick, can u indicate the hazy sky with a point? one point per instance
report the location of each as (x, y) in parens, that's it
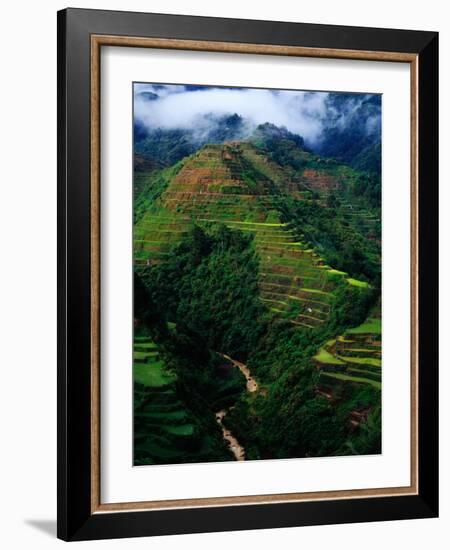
(304, 113)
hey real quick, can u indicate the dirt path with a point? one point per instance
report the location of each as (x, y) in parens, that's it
(252, 386)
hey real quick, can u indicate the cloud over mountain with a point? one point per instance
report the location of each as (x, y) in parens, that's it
(184, 117)
(181, 107)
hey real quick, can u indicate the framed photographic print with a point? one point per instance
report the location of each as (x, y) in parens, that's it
(247, 274)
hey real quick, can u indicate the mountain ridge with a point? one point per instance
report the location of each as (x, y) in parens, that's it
(167, 146)
(237, 184)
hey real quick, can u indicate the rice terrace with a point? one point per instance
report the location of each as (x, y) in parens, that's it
(257, 274)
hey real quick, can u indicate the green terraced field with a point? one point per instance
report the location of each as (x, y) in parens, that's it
(357, 379)
(327, 358)
(152, 374)
(355, 282)
(165, 429)
(371, 326)
(354, 356)
(162, 426)
(184, 430)
(158, 416)
(235, 184)
(362, 360)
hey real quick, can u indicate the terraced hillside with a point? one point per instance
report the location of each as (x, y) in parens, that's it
(238, 185)
(354, 356)
(163, 428)
(330, 183)
(257, 275)
(167, 429)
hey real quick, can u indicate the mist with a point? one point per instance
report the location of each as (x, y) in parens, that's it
(197, 108)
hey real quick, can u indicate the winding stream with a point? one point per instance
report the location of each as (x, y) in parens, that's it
(252, 386)
(236, 448)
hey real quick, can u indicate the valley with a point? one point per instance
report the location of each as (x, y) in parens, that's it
(258, 327)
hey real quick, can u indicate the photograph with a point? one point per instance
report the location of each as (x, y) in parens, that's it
(247, 272)
(256, 273)
(233, 282)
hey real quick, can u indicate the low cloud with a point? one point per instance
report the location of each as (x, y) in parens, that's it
(191, 107)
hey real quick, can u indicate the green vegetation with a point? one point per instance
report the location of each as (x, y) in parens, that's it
(269, 254)
(208, 286)
(369, 160)
(162, 421)
(325, 357)
(340, 237)
(149, 186)
(171, 421)
(356, 351)
(364, 361)
(355, 282)
(370, 326)
(346, 377)
(151, 374)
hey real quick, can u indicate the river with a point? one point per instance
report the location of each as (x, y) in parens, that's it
(252, 386)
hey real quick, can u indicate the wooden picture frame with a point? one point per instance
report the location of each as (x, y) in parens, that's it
(81, 35)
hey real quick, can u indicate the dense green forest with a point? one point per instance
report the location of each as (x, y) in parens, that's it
(255, 256)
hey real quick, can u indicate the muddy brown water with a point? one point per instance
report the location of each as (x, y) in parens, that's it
(252, 386)
(236, 448)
